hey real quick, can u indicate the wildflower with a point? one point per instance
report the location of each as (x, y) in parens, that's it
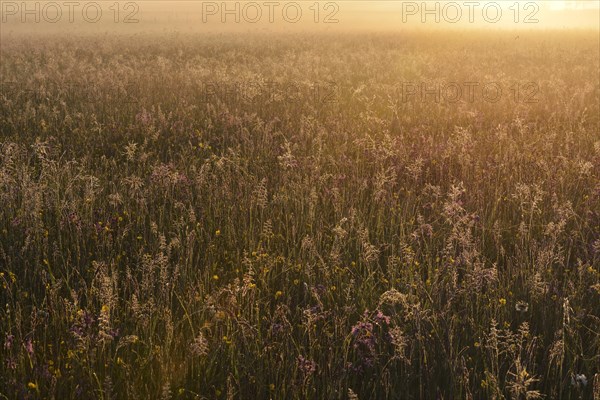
(296, 281)
(32, 386)
(29, 347)
(502, 301)
(199, 346)
(8, 342)
(272, 387)
(308, 367)
(278, 294)
(215, 277)
(579, 380)
(521, 306)
(218, 232)
(477, 344)
(220, 315)
(381, 319)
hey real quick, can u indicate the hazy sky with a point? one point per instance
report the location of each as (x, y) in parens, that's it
(343, 15)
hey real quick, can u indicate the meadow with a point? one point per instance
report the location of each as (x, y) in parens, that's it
(306, 216)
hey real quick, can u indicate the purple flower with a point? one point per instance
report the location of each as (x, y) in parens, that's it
(307, 367)
(381, 319)
(29, 347)
(8, 342)
(11, 363)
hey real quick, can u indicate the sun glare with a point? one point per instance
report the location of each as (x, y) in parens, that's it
(559, 5)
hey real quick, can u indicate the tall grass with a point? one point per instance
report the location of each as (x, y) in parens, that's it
(164, 236)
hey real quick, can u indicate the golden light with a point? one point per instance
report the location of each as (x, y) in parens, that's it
(559, 5)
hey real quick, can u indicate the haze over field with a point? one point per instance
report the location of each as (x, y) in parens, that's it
(342, 16)
(359, 200)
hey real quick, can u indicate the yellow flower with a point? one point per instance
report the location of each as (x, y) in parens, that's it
(105, 308)
(272, 387)
(278, 294)
(502, 301)
(32, 386)
(220, 315)
(216, 277)
(218, 232)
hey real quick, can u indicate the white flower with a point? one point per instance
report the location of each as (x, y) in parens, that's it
(579, 380)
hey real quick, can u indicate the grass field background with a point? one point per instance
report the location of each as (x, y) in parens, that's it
(250, 216)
